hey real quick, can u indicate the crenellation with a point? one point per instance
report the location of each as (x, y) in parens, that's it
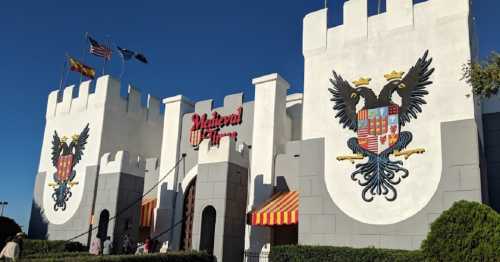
(355, 20)
(152, 164)
(227, 151)
(399, 14)
(134, 106)
(203, 106)
(154, 107)
(233, 100)
(106, 96)
(52, 104)
(64, 106)
(80, 103)
(444, 8)
(122, 163)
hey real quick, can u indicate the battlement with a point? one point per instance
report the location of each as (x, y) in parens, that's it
(106, 95)
(122, 163)
(230, 101)
(227, 151)
(400, 15)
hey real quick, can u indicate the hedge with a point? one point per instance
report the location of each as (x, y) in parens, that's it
(343, 254)
(468, 231)
(170, 257)
(41, 247)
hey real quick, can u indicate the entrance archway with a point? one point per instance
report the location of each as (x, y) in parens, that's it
(187, 215)
(208, 229)
(102, 229)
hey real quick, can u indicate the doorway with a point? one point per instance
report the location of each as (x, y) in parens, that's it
(102, 229)
(208, 230)
(187, 216)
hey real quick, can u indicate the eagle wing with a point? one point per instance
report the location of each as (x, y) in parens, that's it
(80, 144)
(56, 148)
(345, 104)
(414, 89)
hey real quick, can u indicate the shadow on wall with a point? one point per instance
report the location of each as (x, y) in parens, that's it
(260, 236)
(38, 226)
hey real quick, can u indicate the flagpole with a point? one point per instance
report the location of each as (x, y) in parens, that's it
(105, 58)
(123, 62)
(83, 55)
(61, 82)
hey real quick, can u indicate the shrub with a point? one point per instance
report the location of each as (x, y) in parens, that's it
(468, 231)
(170, 257)
(8, 228)
(344, 254)
(50, 246)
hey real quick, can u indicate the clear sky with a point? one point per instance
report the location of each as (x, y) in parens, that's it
(202, 49)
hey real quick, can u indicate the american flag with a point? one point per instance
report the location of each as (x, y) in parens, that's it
(98, 49)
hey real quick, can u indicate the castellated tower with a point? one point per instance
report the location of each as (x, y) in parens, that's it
(447, 128)
(123, 136)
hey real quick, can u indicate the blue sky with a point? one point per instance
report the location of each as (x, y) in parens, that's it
(202, 49)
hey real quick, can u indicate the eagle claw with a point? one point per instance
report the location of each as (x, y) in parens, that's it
(408, 153)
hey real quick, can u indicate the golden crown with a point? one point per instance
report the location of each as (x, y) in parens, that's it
(64, 139)
(362, 81)
(394, 75)
(75, 137)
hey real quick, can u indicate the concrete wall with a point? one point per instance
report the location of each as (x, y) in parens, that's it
(119, 190)
(371, 47)
(41, 228)
(323, 222)
(115, 124)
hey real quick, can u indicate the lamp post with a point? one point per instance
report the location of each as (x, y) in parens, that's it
(3, 205)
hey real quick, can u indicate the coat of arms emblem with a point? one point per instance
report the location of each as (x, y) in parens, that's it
(378, 126)
(64, 159)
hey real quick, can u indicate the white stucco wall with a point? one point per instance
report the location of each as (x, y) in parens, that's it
(115, 124)
(371, 47)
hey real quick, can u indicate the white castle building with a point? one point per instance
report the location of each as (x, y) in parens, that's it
(237, 179)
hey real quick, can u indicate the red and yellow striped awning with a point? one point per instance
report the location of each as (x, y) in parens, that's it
(147, 212)
(281, 209)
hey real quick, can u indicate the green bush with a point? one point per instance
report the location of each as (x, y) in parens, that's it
(468, 231)
(344, 254)
(170, 257)
(50, 246)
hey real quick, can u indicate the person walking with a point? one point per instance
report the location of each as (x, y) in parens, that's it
(95, 247)
(107, 246)
(11, 251)
(19, 240)
(126, 244)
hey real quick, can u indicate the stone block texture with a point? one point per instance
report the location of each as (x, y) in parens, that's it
(223, 186)
(120, 195)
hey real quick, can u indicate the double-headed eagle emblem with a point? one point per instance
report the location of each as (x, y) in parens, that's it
(378, 123)
(64, 158)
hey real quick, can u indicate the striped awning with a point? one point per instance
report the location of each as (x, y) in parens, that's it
(147, 212)
(281, 209)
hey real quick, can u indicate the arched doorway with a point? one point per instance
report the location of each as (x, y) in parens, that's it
(102, 229)
(207, 229)
(187, 215)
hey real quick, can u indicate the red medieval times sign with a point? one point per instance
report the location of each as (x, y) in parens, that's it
(209, 128)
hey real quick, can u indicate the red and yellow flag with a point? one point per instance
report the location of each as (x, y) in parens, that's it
(77, 66)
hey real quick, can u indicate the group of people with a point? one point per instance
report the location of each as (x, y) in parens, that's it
(13, 249)
(100, 247)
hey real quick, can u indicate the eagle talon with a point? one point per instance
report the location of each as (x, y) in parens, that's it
(351, 158)
(408, 153)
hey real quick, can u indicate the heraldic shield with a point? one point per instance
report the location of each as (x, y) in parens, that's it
(378, 128)
(64, 167)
